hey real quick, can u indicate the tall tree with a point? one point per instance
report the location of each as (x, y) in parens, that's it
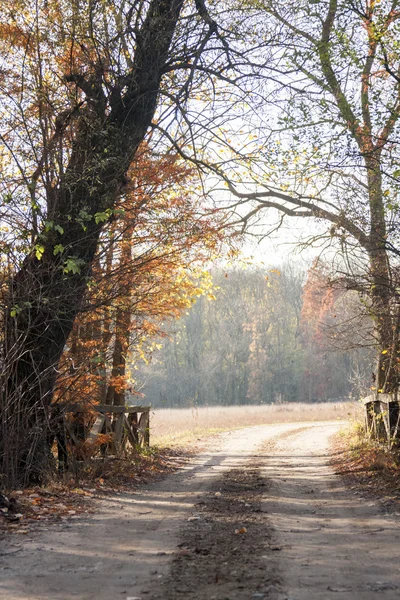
(327, 122)
(80, 85)
(335, 338)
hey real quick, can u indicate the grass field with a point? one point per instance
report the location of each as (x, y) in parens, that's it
(170, 426)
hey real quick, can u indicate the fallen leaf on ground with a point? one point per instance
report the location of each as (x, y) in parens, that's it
(241, 530)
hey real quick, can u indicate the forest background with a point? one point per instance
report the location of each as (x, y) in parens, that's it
(269, 335)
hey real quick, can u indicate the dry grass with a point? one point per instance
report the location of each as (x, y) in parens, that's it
(172, 426)
(368, 466)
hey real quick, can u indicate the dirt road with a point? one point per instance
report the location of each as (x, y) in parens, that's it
(259, 516)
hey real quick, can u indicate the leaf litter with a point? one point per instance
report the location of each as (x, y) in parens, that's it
(23, 510)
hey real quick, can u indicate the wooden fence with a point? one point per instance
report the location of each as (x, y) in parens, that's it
(111, 430)
(382, 418)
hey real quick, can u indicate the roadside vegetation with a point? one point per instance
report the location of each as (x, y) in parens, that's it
(367, 466)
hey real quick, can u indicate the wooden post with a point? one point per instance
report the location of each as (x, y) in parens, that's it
(144, 428)
(118, 432)
(382, 417)
(125, 424)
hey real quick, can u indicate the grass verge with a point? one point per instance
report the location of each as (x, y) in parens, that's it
(185, 426)
(367, 465)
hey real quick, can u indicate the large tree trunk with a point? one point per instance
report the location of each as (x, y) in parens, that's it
(382, 309)
(47, 292)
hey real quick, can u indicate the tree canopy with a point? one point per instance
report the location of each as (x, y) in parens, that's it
(326, 118)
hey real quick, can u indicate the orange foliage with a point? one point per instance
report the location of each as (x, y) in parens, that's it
(147, 265)
(317, 300)
(13, 34)
(316, 315)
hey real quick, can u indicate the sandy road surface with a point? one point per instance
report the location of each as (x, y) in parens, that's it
(335, 545)
(261, 515)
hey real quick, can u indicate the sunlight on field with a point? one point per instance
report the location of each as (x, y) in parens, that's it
(179, 426)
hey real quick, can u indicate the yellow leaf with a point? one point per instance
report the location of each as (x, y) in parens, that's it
(241, 530)
(384, 351)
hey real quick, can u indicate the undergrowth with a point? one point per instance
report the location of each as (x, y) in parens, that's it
(138, 466)
(367, 463)
(69, 495)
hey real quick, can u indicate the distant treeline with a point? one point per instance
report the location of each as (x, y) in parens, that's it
(267, 337)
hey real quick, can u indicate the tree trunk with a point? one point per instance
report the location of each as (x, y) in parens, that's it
(386, 326)
(117, 384)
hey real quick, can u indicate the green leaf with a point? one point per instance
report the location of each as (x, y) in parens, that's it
(18, 308)
(39, 250)
(59, 229)
(73, 265)
(15, 311)
(58, 249)
(84, 215)
(100, 217)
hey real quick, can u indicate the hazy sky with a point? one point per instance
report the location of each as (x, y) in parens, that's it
(286, 244)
